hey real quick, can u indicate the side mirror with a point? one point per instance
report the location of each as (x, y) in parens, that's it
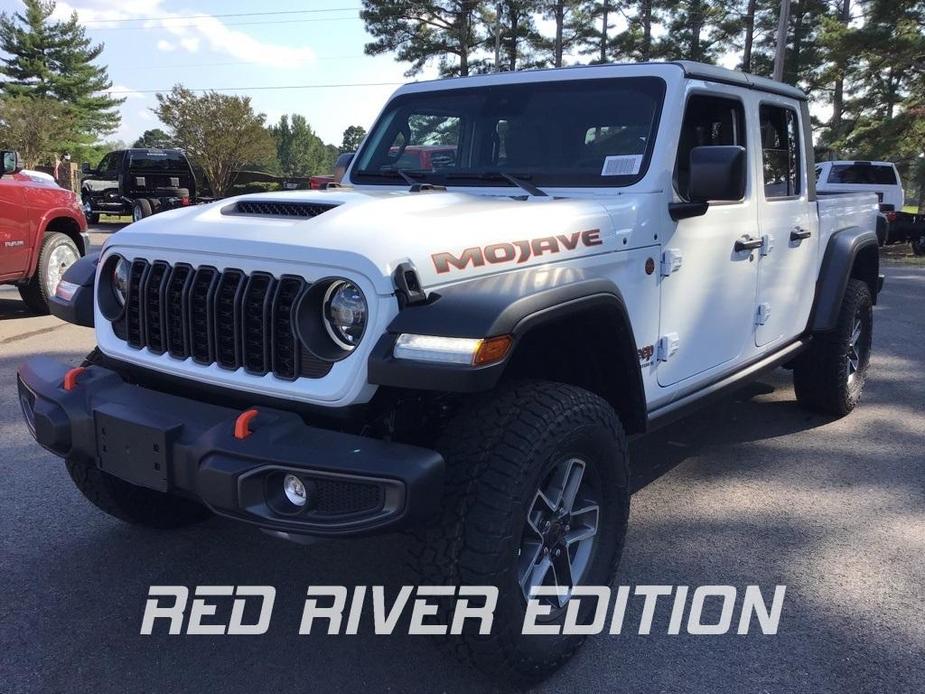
(12, 162)
(85, 168)
(341, 165)
(717, 173)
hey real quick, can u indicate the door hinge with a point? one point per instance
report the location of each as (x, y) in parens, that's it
(767, 244)
(667, 346)
(763, 314)
(671, 261)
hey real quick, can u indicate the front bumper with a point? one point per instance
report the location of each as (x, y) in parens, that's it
(356, 485)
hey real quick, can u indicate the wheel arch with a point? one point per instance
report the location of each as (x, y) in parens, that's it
(851, 253)
(71, 228)
(567, 326)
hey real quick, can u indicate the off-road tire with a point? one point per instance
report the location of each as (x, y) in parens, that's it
(34, 294)
(820, 376)
(498, 451)
(93, 218)
(133, 504)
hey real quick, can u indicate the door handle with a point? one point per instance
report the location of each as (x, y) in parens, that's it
(800, 234)
(747, 243)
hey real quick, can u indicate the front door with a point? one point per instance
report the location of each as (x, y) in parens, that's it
(15, 241)
(707, 304)
(789, 228)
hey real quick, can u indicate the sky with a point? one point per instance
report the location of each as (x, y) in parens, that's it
(150, 45)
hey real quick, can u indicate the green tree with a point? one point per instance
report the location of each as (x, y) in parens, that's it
(220, 132)
(421, 31)
(36, 127)
(299, 151)
(154, 138)
(54, 60)
(353, 136)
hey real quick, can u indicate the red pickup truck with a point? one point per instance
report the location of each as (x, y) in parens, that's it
(42, 232)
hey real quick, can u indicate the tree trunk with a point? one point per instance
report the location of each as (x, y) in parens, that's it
(749, 35)
(560, 20)
(694, 51)
(605, 15)
(645, 13)
(838, 93)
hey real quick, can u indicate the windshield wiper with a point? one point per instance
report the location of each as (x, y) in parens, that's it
(518, 180)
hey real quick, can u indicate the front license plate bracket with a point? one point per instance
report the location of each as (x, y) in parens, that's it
(135, 451)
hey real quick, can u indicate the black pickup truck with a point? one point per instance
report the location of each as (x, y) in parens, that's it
(139, 182)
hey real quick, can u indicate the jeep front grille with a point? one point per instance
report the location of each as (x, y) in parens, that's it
(224, 317)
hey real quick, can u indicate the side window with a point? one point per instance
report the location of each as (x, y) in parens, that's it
(780, 151)
(708, 120)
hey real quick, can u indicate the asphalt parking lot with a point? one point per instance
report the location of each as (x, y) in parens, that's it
(752, 490)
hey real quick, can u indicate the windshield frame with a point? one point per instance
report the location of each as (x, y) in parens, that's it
(470, 178)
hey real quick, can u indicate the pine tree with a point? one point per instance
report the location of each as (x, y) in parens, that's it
(54, 60)
(420, 31)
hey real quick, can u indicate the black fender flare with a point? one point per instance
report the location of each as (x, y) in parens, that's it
(839, 264)
(79, 310)
(513, 304)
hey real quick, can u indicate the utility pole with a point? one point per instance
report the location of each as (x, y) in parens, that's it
(781, 50)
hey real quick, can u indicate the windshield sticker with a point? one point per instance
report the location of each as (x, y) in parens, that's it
(622, 165)
(515, 251)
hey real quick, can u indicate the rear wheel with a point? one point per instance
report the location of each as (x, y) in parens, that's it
(536, 495)
(830, 375)
(58, 253)
(141, 209)
(918, 244)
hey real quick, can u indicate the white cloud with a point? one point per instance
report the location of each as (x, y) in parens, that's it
(145, 114)
(189, 33)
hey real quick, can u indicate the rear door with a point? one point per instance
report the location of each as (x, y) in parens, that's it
(707, 303)
(788, 222)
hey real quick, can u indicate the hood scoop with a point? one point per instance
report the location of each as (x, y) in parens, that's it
(271, 208)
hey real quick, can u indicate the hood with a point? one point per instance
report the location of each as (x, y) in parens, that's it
(448, 236)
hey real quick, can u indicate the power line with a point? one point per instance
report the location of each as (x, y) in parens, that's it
(234, 62)
(233, 24)
(229, 14)
(261, 88)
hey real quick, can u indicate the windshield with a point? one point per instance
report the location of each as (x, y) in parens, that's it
(592, 132)
(157, 160)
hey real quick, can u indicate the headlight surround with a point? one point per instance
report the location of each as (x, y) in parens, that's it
(345, 314)
(120, 278)
(331, 318)
(112, 291)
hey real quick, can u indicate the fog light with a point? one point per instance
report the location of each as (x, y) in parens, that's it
(294, 490)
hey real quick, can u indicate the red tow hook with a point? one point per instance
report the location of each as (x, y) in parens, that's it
(242, 424)
(70, 378)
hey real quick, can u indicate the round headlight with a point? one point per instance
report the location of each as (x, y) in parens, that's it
(120, 276)
(345, 314)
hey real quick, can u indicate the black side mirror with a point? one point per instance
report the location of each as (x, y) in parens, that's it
(12, 162)
(341, 165)
(85, 168)
(717, 173)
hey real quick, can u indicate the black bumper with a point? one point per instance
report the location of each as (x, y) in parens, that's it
(355, 485)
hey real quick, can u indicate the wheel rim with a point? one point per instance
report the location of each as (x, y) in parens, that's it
(560, 532)
(855, 357)
(136, 214)
(59, 261)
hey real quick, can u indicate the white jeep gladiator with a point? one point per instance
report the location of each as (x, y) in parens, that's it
(518, 272)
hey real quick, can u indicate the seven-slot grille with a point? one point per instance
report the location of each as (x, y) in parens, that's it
(224, 317)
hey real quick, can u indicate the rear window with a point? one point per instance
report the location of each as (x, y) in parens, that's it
(869, 174)
(157, 160)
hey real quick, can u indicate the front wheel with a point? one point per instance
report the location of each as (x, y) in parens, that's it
(58, 253)
(830, 375)
(536, 496)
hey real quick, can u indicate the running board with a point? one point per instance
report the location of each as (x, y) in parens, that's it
(680, 408)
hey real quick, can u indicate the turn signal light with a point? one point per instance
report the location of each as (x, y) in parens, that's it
(493, 349)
